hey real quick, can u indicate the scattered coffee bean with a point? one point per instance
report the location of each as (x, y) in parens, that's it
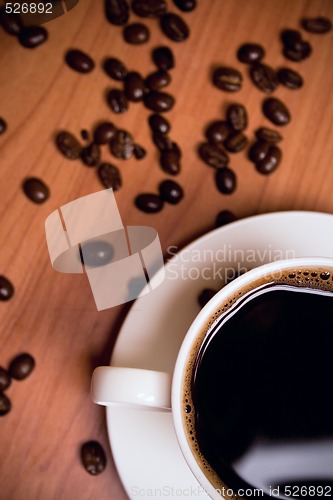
(185, 5)
(36, 190)
(21, 366)
(228, 79)
(5, 404)
(32, 36)
(163, 58)
(269, 135)
(158, 101)
(115, 69)
(121, 146)
(250, 53)
(290, 78)
(104, 133)
(91, 155)
(6, 289)
(96, 253)
(116, 11)
(158, 79)
(159, 124)
(5, 379)
(149, 8)
(258, 151)
(10, 23)
(79, 61)
(170, 161)
(68, 145)
(174, 27)
(171, 192)
(205, 296)
(292, 39)
(162, 141)
(226, 181)
(149, 203)
(237, 117)
(139, 151)
(236, 142)
(276, 111)
(264, 77)
(109, 176)
(134, 86)
(271, 161)
(298, 56)
(318, 25)
(117, 101)
(136, 33)
(3, 126)
(213, 155)
(85, 135)
(217, 132)
(93, 457)
(224, 217)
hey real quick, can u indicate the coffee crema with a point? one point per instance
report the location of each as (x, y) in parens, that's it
(257, 409)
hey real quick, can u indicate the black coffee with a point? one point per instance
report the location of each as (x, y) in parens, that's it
(258, 406)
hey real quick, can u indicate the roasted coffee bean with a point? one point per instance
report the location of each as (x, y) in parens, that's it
(6, 289)
(159, 124)
(96, 253)
(5, 379)
(224, 217)
(298, 55)
(318, 25)
(185, 5)
(32, 36)
(115, 69)
(163, 58)
(68, 145)
(271, 161)
(79, 61)
(134, 86)
(136, 33)
(264, 77)
(139, 151)
(174, 27)
(292, 39)
(116, 11)
(258, 151)
(149, 8)
(236, 142)
(109, 176)
(290, 78)
(149, 203)
(228, 79)
(158, 101)
(276, 111)
(217, 132)
(91, 155)
(21, 366)
(121, 146)
(226, 181)
(205, 296)
(269, 135)
(85, 135)
(171, 192)
(237, 117)
(158, 79)
(36, 190)
(162, 141)
(10, 23)
(93, 457)
(3, 126)
(170, 161)
(117, 101)
(250, 53)
(104, 132)
(213, 155)
(5, 404)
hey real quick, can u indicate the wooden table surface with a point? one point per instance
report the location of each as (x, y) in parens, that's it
(53, 315)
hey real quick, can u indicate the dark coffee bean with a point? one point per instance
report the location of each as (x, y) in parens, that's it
(213, 155)
(158, 79)
(250, 53)
(122, 145)
(228, 79)
(258, 151)
(276, 111)
(224, 217)
(177, 149)
(104, 133)
(269, 135)
(170, 161)
(136, 33)
(68, 145)
(79, 61)
(159, 124)
(163, 58)
(32, 36)
(185, 5)
(109, 176)
(3, 126)
(11, 23)
(162, 141)
(217, 132)
(264, 77)
(298, 55)
(271, 161)
(236, 142)
(116, 11)
(5, 379)
(226, 181)
(159, 101)
(290, 78)
(91, 155)
(117, 101)
(292, 39)
(21, 366)
(93, 457)
(149, 203)
(237, 117)
(149, 8)
(139, 151)
(171, 192)
(134, 86)
(205, 296)
(85, 135)
(318, 25)
(96, 253)
(5, 404)
(174, 27)
(115, 69)
(36, 190)
(6, 289)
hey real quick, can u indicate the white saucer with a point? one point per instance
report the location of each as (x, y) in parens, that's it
(144, 443)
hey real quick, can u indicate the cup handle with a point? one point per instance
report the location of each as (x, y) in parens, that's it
(131, 387)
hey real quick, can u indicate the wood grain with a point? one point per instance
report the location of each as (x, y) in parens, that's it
(53, 315)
